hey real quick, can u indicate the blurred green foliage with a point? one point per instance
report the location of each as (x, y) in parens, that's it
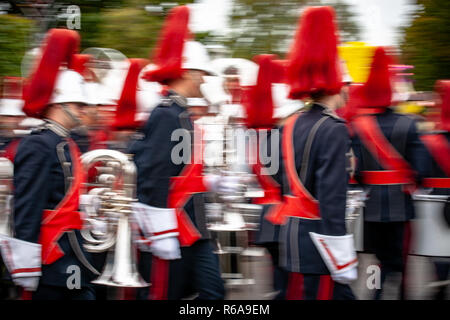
(268, 26)
(426, 43)
(14, 37)
(133, 27)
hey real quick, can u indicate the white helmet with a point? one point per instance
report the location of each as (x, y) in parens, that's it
(148, 94)
(69, 87)
(248, 70)
(213, 91)
(11, 107)
(97, 94)
(195, 57)
(283, 107)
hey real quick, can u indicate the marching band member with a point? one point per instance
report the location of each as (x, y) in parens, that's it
(390, 161)
(47, 180)
(125, 123)
(438, 146)
(314, 145)
(11, 115)
(169, 192)
(260, 116)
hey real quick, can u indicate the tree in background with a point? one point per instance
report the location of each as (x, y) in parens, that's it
(268, 26)
(133, 26)
(426, 43)
(14, 38)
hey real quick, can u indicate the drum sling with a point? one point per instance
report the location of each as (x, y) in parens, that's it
(439, 148)
(300, 203)
(65, 217)
(182, 187)
(397, 170)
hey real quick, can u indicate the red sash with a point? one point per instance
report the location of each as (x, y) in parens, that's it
(65, 216)
(270, 187)
(397, 170)
(301, 203)
(439, 148)
(11, 150)
(182, 187)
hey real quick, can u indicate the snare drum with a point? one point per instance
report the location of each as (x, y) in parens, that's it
(430, 231)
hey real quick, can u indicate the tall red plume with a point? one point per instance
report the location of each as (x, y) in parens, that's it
(58, 49)
(354, 102)
(443, 88)
(378, 89)
(79, 64)
(127, 106)
(169, 51)
(258, 99)
(313, 58)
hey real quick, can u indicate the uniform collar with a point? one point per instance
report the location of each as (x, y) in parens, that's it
(326, 110)
(177, 98)
(57, 128)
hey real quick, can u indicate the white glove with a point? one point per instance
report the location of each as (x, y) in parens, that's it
(222, 184)
(347, 276)
(166, 248)
(229, 184)
(28, 283)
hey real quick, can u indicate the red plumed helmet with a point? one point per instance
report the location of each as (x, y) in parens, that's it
(79, 64)
(313, 59)
(127, 106)
(443, 89)
(59, 47)
(169, 50)
(355, 101)
(258, 99)
(377, 90)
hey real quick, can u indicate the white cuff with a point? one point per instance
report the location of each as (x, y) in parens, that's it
(23, 260)
(338, 252)
(156, 223)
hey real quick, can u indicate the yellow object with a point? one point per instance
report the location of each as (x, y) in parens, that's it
(358, 57)
(410, 108)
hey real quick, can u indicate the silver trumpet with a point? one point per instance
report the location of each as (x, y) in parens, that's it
(6, 191)
(110, 227)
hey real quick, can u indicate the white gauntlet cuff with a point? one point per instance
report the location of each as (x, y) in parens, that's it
(338, 252)
(156, 223)
(23, 260)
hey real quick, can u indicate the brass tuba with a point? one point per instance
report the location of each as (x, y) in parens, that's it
(113, 183)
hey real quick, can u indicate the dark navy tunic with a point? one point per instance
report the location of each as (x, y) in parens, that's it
(153, 158)
(389, 203)
(325, 176)
(40, 183)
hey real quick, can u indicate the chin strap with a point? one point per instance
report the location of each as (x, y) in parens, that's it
(69, 113)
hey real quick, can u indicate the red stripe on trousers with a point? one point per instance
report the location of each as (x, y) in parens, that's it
(295, 286)
(159, 279)
(326, 286)
(26, 295)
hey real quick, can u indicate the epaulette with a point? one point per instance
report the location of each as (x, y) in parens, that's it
(38, 129)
